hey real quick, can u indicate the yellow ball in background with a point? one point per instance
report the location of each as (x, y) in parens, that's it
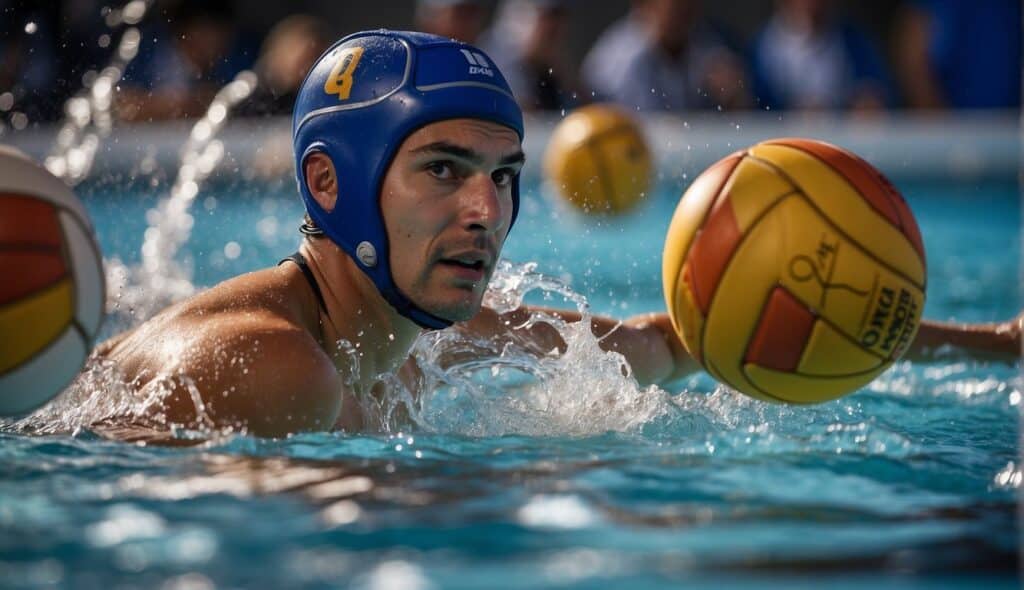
(794, 271)
(598, 160)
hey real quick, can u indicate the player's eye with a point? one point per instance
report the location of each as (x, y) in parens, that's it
(441, 169)
(503, 177)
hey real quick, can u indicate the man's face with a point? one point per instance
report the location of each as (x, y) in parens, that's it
(447, 206)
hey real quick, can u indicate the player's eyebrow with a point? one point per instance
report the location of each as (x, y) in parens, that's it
(467, 154)
(517, 157)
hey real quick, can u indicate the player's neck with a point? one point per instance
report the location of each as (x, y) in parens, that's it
(357, 314)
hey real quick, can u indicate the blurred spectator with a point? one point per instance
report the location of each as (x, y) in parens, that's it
(183, 61)
(28, 60)
(663, 57)
(527, 42)
(287, 53)
(456, 19)
(806, 57)
(45, 47)
(961, 54)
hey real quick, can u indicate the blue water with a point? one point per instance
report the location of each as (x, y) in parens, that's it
(909, 483)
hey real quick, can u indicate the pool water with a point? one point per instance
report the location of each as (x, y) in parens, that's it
(910, 483)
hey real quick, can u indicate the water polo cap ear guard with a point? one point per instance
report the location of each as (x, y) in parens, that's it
(359, 102)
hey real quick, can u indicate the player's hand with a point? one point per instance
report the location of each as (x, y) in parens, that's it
(1012, 329)
(668, 360)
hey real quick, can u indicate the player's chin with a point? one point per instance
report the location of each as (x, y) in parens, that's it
(457, 304)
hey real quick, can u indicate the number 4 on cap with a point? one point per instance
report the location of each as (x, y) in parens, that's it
(340, 79)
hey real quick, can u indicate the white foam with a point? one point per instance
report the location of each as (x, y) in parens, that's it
(480, 388)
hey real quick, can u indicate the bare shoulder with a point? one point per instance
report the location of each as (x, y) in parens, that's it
(271, 380)
(239, 355)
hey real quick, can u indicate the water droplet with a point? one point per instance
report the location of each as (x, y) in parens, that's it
(19, 121)
(133, 12)
(232, 250)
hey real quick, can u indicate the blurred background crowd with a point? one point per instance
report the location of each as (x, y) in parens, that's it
(649, 55)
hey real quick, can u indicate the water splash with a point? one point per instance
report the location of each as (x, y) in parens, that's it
(87, 117)
(478, 387)
(162, 279)
(100, 400)
(463, 384)
(99, 394)
(468, 386)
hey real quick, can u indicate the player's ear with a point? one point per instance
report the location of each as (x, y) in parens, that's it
(321, 179)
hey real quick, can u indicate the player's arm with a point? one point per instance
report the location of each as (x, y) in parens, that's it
(656, 354)
(647, 341)
(269, 382)
(994, 342)
(999, 341)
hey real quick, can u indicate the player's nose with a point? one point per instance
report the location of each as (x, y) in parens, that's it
(483, 204)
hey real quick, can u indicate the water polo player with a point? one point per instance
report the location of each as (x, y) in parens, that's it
(407, 152)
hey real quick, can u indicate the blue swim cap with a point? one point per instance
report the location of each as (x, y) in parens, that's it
(359, 102)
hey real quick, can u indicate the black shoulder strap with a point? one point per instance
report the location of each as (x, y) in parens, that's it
(300, 261)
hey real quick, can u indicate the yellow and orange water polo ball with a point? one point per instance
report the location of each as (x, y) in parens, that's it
(52, 292)
(794, 271)
(598, 160)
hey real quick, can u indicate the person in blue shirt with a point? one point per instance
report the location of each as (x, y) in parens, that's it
(807, 58)
(961, 55)
(663, 56)
(528, 42)
(184, 61)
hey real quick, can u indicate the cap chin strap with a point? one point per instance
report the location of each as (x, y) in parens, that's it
(400, 302)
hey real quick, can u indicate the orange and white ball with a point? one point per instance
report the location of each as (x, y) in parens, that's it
(52, 290)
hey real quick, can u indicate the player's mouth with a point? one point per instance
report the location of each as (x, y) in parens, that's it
(471, 266)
